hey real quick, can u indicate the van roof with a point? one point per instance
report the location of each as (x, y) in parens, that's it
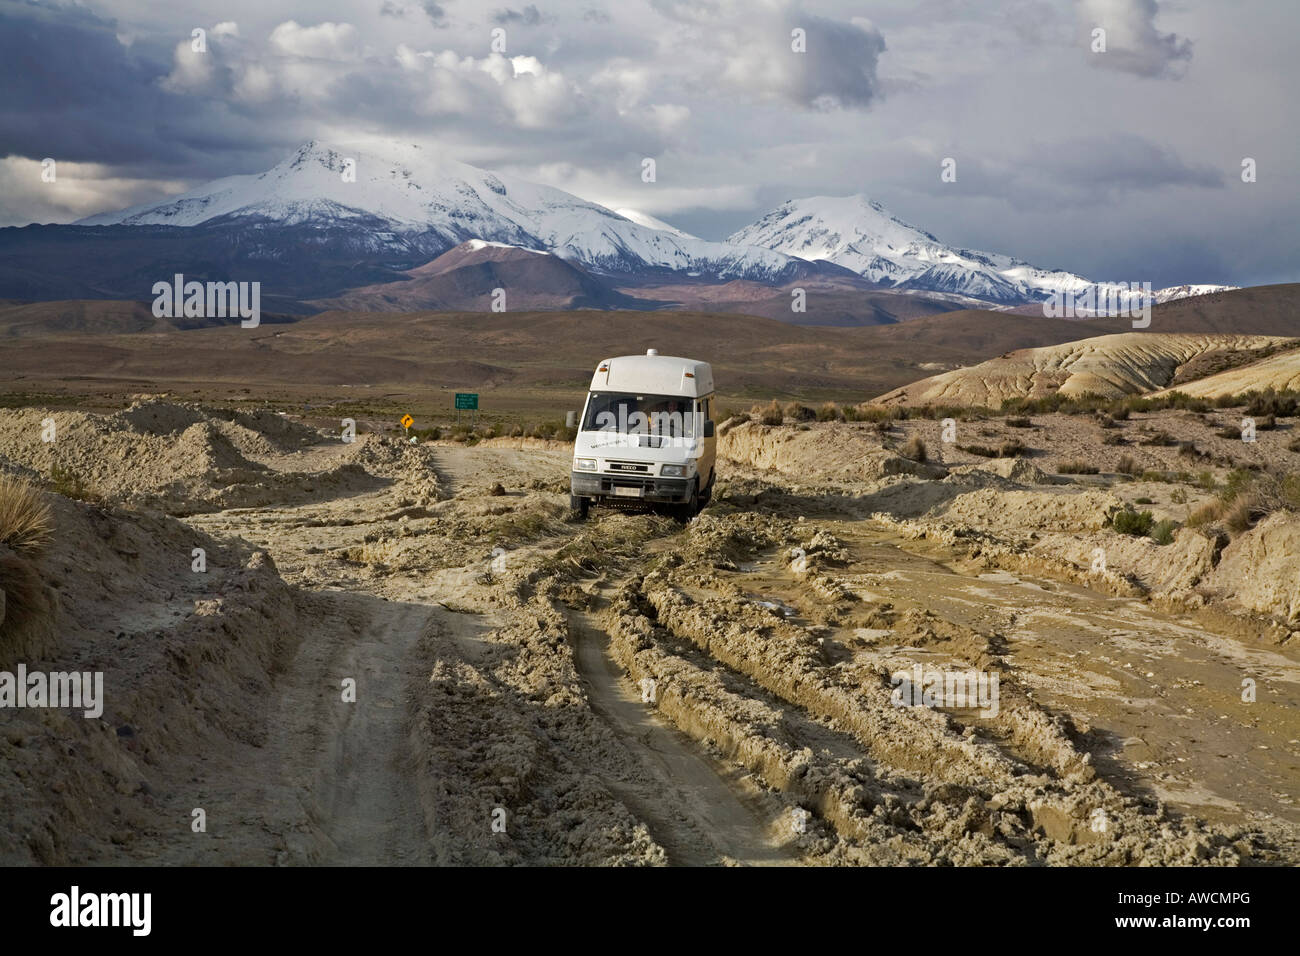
(654, 374)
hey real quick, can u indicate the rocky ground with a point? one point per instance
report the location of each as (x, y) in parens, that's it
(529, 689)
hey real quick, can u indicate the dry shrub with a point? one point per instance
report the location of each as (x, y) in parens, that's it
(1076, 467)
(26, 526)
(1207, 513)
(1248, 498)
(1240, 513)
(915, 449)
(773, 414)
(25, 520)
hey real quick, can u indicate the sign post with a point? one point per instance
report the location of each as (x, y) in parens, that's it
(469, 402)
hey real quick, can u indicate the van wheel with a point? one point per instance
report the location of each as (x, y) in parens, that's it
(708, 490)
(691, 508)
(578, 506)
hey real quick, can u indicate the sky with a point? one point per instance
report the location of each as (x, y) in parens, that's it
(1119, 164)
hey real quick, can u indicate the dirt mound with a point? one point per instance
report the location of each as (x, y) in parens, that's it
(1260, 570)
(1024, 511)
(260, 432)
(1111, 366)
(825, 451)
(182, 459)
(1014, 469)
(187, 660)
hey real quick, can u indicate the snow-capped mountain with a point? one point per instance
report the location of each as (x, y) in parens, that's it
(861, 235)
(409, 196)
(1175, 292)
(327, 220)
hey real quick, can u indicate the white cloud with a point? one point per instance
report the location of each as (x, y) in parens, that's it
(1133, 44)
(255, 84)
(533, 95)
(324, 41)
(192, 71)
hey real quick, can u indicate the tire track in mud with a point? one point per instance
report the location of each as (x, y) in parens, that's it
(373, 814)
(1022, 783)
(700, 811)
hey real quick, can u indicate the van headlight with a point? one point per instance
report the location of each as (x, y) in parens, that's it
(673, 471)
(584, 464)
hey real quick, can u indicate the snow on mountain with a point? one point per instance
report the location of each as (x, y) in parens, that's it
(860, 234)
(649, 221)
(474, 245)
(409, 191)
(1174, 292)
(412, 205)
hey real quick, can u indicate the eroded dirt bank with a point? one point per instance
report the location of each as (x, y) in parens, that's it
(533, 690)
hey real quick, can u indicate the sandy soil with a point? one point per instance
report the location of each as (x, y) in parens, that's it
(627, 690)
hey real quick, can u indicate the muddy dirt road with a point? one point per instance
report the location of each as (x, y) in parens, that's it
(530, 689)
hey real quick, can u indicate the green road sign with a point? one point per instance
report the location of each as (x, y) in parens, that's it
(466, 400)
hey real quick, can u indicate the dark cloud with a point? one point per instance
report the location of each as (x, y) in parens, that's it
(398, 9)
(839, 69)
(73, 91)
(1114, 163)
(529, 16)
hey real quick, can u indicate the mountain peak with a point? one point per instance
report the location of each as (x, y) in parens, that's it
(401, 196)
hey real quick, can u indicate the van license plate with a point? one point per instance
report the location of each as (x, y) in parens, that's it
(627, 492)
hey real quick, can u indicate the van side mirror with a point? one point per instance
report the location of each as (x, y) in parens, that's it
(708, 428)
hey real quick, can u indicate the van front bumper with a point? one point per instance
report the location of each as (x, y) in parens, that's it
(628, 488)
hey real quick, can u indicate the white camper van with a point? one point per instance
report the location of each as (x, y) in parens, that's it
(646, 435)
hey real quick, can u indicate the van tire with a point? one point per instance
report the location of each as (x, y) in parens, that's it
(691, 508)
(578, 506)
(708, 489)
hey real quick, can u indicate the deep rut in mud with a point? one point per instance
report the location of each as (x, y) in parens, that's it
(699, 810)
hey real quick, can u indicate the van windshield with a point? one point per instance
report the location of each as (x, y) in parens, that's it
(629, 414)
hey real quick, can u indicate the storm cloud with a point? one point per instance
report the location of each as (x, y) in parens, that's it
(1065, 157)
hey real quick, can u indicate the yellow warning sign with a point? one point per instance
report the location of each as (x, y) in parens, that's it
(407, 421)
